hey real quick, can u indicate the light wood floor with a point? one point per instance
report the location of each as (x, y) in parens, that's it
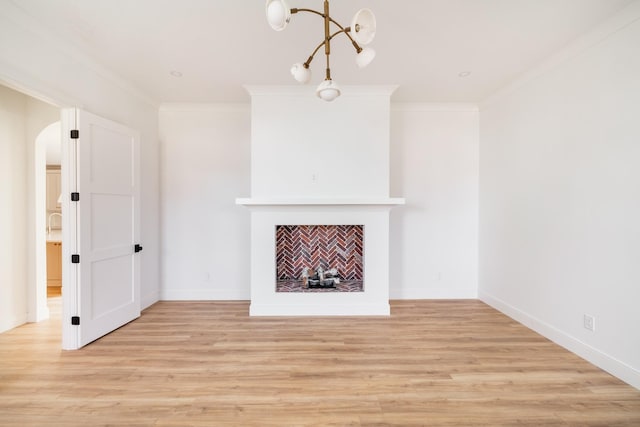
(432, 363)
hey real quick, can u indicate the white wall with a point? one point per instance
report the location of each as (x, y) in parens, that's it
(21, 119)
(51, 137)
(302, 146)
(560, 197)
(205, 235)
(41, 65)
(434, 165)
(206, 164)
(13, 186)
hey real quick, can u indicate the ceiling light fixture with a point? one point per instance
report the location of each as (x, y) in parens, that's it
(361, 32)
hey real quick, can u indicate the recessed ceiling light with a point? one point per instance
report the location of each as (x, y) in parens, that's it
(175, 73)
(464, 74)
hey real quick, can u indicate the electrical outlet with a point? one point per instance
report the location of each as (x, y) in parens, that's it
(589, 322)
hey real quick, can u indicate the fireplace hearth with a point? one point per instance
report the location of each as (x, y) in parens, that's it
(296, 286)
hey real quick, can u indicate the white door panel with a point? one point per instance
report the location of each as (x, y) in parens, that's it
(116, 229)
(111, 289)
(107, 224)
(111, 158)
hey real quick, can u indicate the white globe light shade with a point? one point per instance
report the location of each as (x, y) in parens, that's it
(363, 27)
(301, 73)
(328, 90)
(278, 14)
(365, 57)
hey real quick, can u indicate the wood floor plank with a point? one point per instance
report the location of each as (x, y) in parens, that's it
(435, 363)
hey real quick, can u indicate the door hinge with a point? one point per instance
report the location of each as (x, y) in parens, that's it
(75, 320)
(137, 248)
(75, 197)
(75, 134)
(75, 259)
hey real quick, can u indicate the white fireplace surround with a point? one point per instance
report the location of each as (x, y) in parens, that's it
(372, 213)
(318, 163)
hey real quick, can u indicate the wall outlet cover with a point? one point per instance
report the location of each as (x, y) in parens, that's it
(589, 322)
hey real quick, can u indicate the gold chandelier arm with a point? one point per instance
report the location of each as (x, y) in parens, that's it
(346, 30)
(308, 62)
(296, 10)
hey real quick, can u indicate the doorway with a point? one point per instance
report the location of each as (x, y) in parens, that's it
(50, 141)
(22, 216)
(96, 208)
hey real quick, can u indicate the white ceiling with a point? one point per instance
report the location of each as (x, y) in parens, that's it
(220, 45)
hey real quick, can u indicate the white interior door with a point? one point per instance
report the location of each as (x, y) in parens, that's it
(102, 281)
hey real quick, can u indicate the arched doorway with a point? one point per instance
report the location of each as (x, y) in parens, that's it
(48, 221)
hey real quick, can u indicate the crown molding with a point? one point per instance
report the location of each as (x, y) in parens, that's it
(452, 107)
(347, 91)
(217, 107)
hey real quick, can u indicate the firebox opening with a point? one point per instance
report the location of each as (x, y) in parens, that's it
(319, 258)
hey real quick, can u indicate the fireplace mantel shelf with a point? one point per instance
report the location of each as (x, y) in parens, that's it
(290, 201)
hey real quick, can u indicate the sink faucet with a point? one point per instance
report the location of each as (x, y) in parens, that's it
(49, 220)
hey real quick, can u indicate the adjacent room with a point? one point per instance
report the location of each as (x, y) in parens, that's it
(315, 212)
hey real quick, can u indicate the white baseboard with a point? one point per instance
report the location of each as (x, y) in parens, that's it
(148, 300)
(602, 360)
(319, 310)
(13, 322)
(432, 293)
(42, 313)
(204, 294)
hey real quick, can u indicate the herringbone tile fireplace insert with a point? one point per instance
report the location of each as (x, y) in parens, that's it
(319, 258)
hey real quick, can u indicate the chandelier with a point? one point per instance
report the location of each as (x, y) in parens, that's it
(360, 33)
